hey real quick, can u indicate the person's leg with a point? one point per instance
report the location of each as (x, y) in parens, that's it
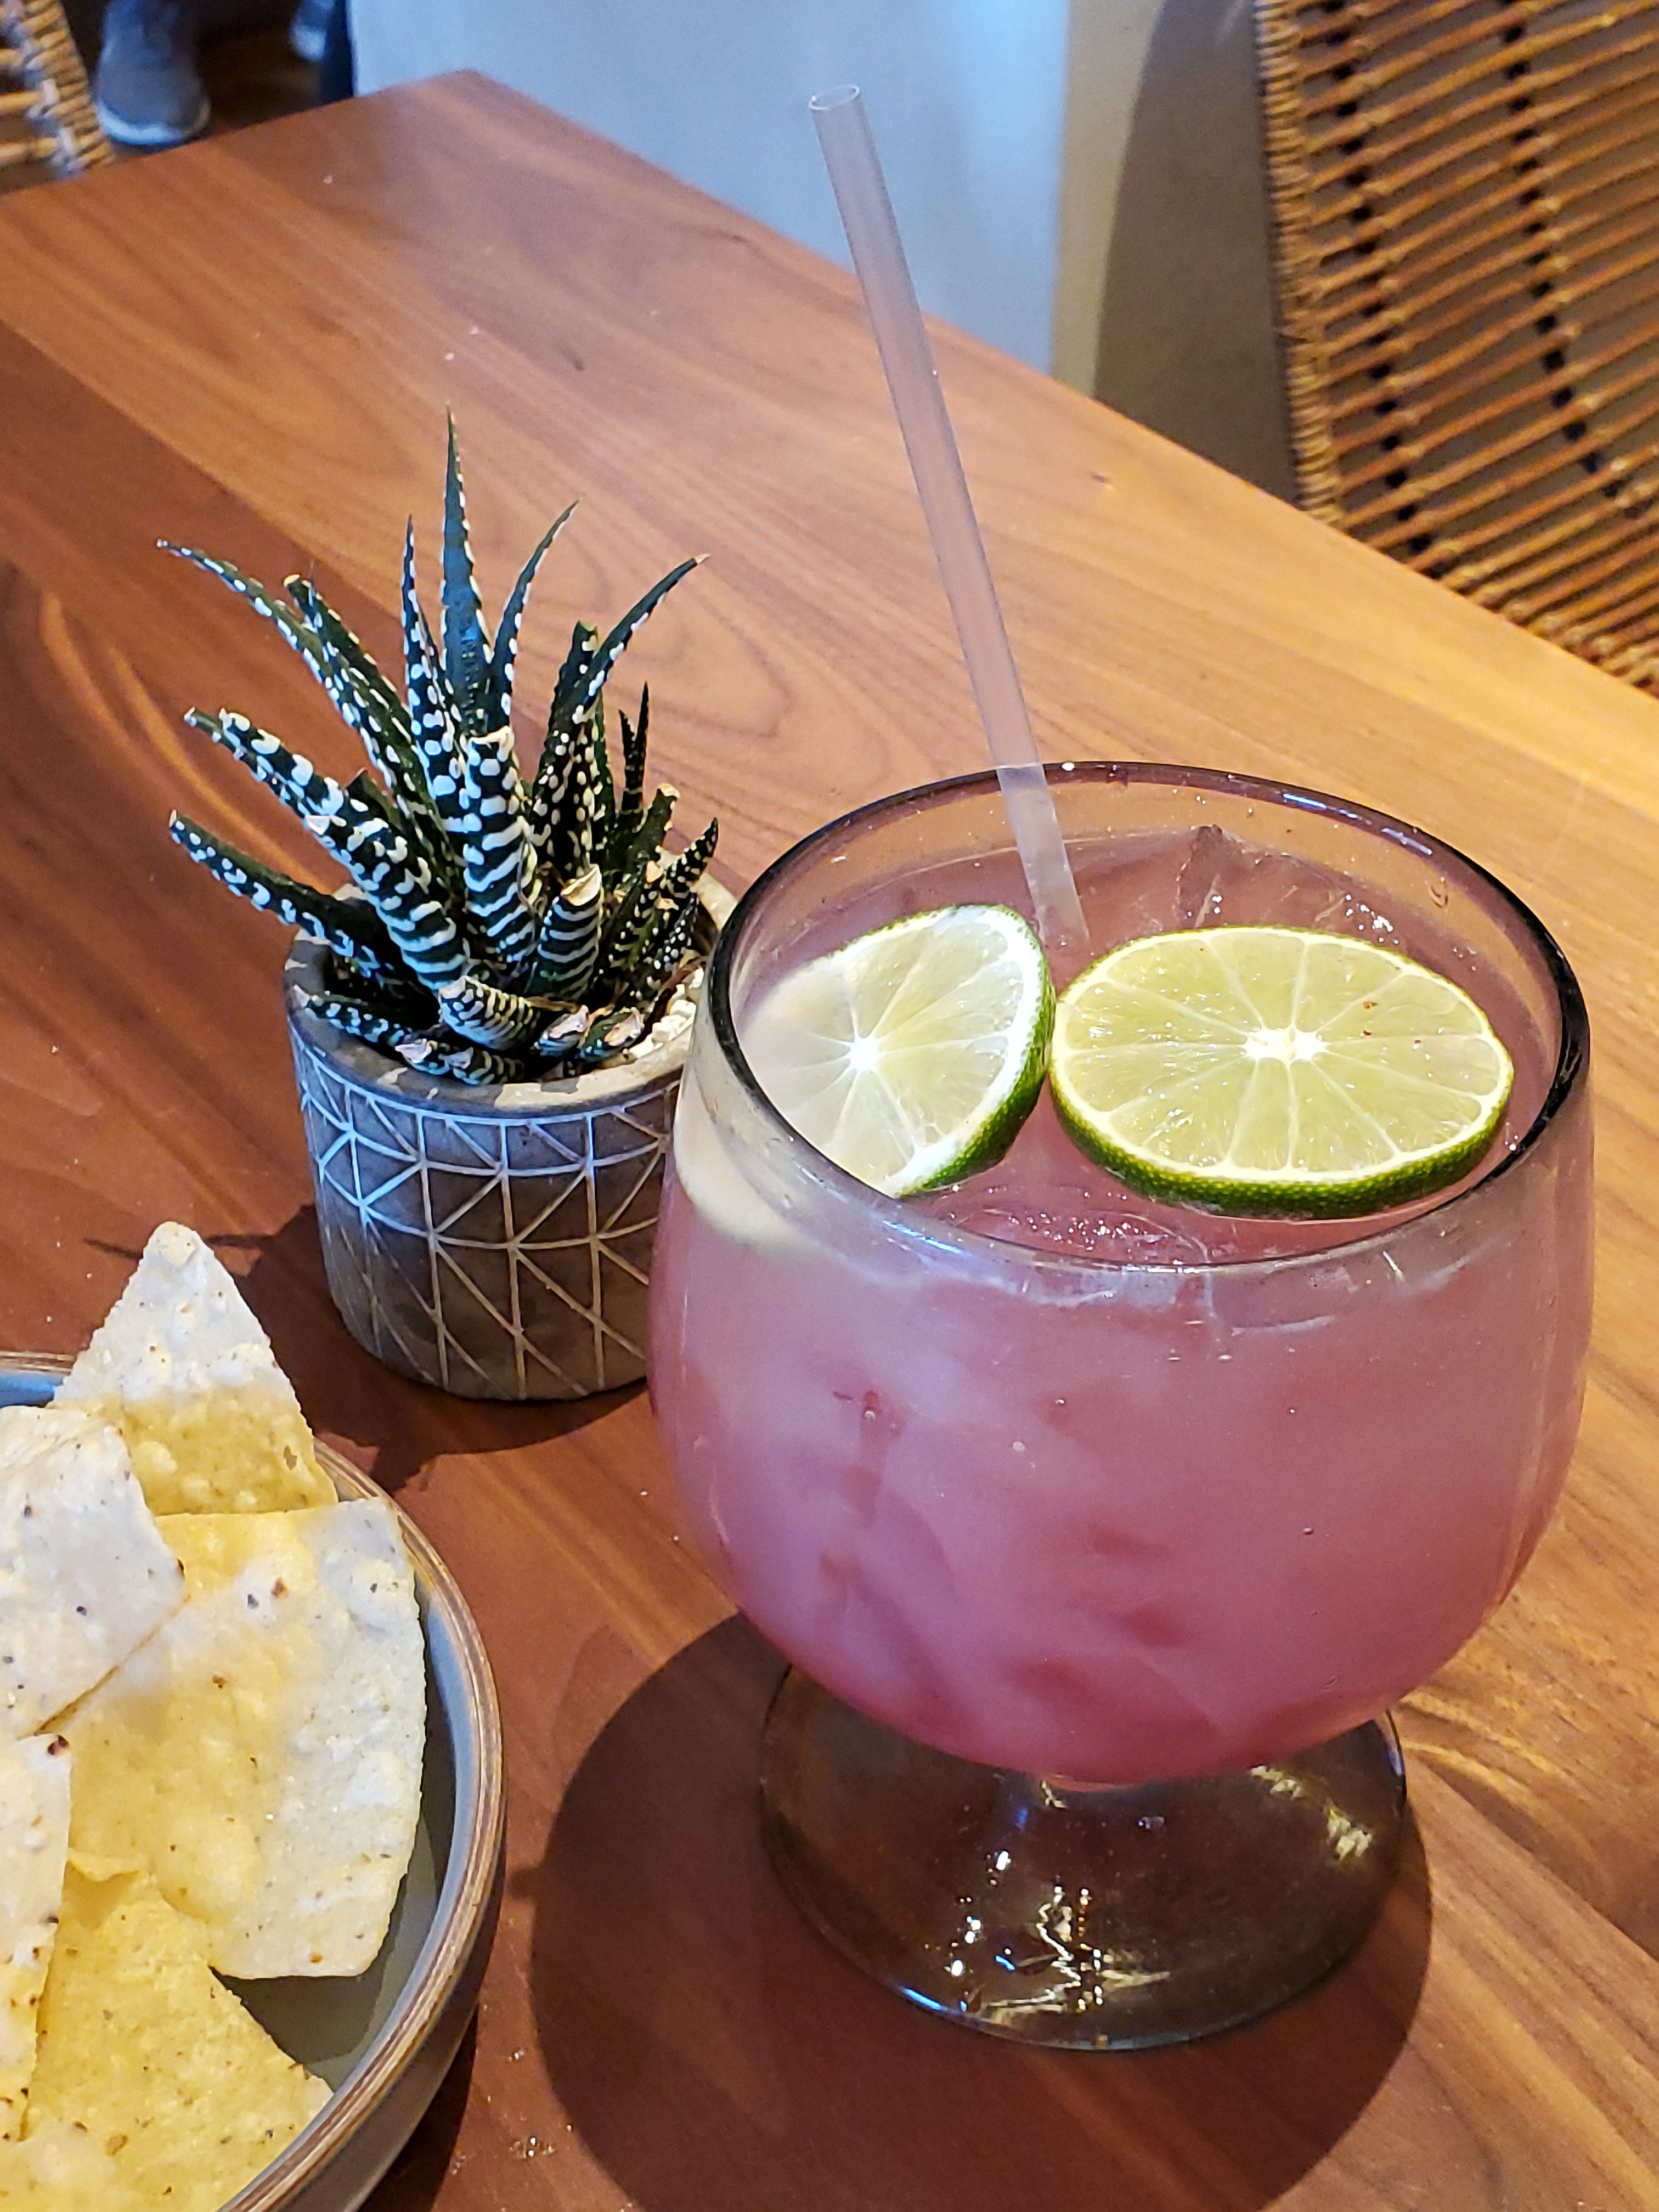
(146, 87)
(337, 76)
(307, 29)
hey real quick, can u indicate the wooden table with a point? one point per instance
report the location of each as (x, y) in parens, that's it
(249, 345)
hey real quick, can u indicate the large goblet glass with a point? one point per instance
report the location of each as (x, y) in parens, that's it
(1101, 1535)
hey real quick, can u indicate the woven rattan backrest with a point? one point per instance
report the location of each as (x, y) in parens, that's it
(1466, 206)
(46, 114)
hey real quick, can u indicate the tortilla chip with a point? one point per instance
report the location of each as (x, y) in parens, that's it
(84, 1574)
(157, 2061)
(34, 1820)
(60, 2168)
(187, 1375)
(262, 1753)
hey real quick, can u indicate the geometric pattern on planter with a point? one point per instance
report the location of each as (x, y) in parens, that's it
(496, 1256)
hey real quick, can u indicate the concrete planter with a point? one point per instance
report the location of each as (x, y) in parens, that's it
(495, 1242)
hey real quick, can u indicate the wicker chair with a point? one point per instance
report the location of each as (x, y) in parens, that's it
(1465, 208)
(46, 114)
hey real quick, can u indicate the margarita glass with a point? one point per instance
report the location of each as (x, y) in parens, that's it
(1102, 1533)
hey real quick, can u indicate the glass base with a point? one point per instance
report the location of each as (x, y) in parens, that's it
(1091, 1919)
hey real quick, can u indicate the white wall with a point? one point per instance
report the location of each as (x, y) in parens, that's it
(967, 98)
(1078, 181)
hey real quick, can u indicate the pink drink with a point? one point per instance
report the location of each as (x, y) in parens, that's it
(1054, 1478)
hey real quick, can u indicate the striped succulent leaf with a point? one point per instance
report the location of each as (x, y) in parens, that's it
(467, 1063)
(570, 838)
(333, 653)
(503, 653)
(328, 809)
(345, 644)
(482, 1013)
(571, 678)
(568, 950)
(396, 881)
(359, 1019)
(685, 870)
(548, 790)
(646, 841)
(606, 656)
(656, 907)
(293, 630)
(435, 728)
(662, 937)
(631, 948)
(630, 904)
(604, 789)
(383, 740)
(630, 806)
(497, 859)
(608, 1033)
(564, 741)
(466, 646)
(350, 927)
(367, 704)
(575, 708)
(667, 949)
(412, 906)
(563, 1033)
(393, 879)
(396, 995)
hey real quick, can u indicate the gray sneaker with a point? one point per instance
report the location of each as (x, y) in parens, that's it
(146, 90)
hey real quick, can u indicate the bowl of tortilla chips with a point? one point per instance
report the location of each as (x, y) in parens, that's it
(252, 1806)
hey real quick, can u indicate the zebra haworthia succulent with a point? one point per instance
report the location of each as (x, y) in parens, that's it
(502, 929)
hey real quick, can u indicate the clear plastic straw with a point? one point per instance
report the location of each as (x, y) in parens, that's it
(866, 212)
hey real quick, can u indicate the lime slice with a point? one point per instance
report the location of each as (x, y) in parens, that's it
(912, 1055)
(1276, 1071)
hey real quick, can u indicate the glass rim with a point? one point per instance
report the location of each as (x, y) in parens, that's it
(1571, 1061)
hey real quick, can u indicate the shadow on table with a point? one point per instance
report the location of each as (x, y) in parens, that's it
(388, 1426)
(717, 2056)
(417, 2174)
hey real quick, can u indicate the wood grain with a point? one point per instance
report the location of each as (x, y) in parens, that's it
(250, 345)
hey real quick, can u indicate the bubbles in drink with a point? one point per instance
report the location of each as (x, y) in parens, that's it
(1206, 878)
(1046, 1196)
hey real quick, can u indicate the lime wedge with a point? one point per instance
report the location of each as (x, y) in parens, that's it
(1276, 1071)
(911, 1056)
